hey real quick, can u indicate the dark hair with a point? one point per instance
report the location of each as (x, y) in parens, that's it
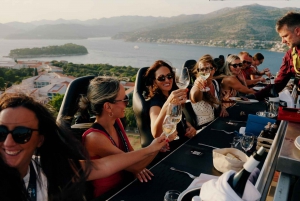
(11, 184)
(258, 56)
(150, 78)
(291, 20)
(100, 91)
(59, 154)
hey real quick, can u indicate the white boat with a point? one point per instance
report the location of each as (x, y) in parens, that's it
(136, 47)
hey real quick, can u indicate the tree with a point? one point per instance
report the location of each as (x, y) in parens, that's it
(130, 119)
(35, 72)
(2, 83)
(56, 101)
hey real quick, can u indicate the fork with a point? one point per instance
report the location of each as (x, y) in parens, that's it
(192, 176)
(227, 132)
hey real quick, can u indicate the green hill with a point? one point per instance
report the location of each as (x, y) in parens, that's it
(251, 22)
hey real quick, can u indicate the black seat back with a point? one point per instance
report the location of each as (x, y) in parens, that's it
(69, 104)
(190, 65)
(141, 108)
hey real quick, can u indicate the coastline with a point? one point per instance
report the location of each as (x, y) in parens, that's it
(44, 55)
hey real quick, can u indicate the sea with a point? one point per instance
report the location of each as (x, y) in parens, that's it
(120, 53)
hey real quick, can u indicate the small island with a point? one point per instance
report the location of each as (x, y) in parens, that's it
(68, 49)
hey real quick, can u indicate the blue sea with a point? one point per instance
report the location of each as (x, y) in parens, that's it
(120, 53)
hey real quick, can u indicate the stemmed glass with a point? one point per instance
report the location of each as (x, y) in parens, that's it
(247, 142)
(204, 74)
(168, 126)
(182, 78)
(174, 111)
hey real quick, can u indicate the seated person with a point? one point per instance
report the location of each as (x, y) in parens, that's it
(233, 83)
(205, 104)
(258, 59)
(162, 90)
(246, 60)
(106, 99)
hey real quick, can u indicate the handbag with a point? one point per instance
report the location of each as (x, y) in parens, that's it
(255, 124)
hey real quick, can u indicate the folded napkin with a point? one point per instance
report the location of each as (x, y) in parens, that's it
(219, 190)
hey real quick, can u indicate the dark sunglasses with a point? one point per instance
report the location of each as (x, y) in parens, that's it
(162, 78)
(20, 134)
(236, 65)
(206, 69)
(125, 100)
(247, 62)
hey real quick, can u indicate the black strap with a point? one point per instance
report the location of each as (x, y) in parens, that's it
(119, 132)
(31, 189)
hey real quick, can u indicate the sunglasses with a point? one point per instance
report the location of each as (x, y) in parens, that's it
(20, 134)
(162, 78)
(236, 65)
(247, 62)
(206, 69)
(125, 100)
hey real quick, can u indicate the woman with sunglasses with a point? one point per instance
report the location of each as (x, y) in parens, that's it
(233, 82)
(106, 99)
(51, 161)
(162, 90)
(206, 104)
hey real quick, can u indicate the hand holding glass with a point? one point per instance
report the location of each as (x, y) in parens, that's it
(182, 78)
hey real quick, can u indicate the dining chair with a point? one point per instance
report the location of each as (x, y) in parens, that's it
(69, 104)
(141, 108)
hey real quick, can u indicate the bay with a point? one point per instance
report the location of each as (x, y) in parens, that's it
(120, 53)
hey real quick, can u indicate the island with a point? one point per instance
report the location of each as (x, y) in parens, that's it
(68, 49)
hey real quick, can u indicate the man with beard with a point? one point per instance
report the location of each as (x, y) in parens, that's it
(288, 28)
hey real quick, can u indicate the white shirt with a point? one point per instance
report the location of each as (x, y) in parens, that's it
(41, 184)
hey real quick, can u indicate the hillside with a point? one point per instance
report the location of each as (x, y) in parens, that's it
(62, 50)
(252, 22)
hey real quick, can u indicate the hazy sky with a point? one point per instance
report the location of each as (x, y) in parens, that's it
(31, 10)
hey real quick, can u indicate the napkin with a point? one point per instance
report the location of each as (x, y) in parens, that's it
(219, 190)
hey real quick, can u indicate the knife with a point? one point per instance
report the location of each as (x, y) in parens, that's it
(208, 146)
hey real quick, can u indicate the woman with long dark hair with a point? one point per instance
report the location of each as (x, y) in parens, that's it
(52, 163)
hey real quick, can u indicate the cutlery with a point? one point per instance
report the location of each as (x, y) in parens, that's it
(227, 132)
(192, 176)
(208, 146)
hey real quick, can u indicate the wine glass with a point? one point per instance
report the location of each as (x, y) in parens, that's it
(175, 113)
(247, 142)
(168, 126)
(182, 78)
(204, 74)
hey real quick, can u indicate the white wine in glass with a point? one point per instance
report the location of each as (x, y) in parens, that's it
(168, 126)
(204, 75)
(182, 78)
(175, 113)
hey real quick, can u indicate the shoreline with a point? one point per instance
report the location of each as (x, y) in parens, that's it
(41, 56)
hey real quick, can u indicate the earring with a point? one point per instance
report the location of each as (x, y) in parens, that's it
(111, 114)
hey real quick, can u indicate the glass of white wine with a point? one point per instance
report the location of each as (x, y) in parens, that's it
(175, 113)
(204, 74)
(168, 126)
(182, 78)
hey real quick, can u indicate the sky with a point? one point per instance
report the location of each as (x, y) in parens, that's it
(32, 10)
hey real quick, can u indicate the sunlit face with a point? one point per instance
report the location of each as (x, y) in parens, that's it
(235, 67)
(246, 60)
(290, 38)
(207, 67)
(166, 85)
(118, 107)
(14, 154)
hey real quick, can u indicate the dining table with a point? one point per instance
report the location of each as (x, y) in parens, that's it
(184, 157)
